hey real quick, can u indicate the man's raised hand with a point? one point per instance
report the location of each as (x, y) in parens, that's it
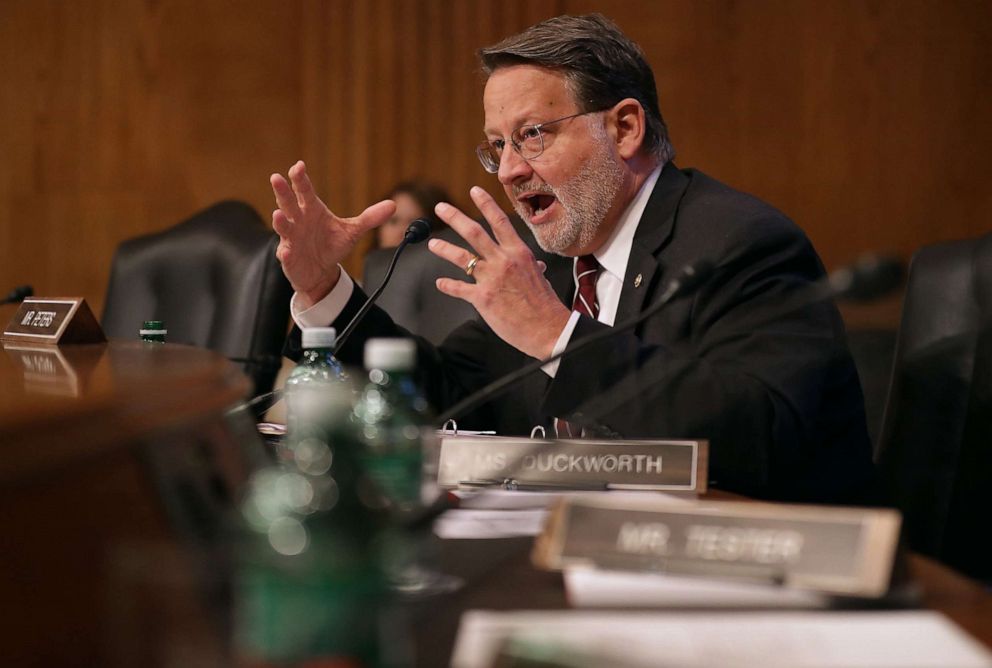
(312, 239)
(509, 289)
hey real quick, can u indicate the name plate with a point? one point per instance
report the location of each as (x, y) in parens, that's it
(840, 551)
(54, 320)
(525, 463)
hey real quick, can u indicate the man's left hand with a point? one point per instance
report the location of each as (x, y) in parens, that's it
(510, 291)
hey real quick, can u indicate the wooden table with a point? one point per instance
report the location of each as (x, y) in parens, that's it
(91, 562)
(101, 568)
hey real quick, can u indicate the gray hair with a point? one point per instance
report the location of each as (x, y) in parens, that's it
(601, 66)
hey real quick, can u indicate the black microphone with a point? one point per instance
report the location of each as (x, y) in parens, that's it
(418, 231)
(687, 280)
(870, 277)
(18, 294)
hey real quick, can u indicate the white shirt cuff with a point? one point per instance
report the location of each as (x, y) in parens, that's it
(551, 368)
(326, 311)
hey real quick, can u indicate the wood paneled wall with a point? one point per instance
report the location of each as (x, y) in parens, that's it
(867, 121)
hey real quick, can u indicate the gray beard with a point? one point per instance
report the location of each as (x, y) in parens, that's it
(585, 199)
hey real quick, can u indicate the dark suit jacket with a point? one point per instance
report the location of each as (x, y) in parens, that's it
(776, 394)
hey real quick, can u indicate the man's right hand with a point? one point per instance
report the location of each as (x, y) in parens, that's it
(312, 240)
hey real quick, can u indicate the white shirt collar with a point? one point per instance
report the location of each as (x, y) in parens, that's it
(614, 254)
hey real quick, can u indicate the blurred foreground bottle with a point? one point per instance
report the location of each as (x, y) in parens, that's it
(310, 589)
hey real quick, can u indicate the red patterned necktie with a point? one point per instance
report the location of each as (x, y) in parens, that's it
(585, 302)
(586, 273)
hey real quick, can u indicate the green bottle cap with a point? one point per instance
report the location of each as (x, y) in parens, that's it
(153, 330)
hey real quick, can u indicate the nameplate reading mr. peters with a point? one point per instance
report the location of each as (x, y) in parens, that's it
(54, 320)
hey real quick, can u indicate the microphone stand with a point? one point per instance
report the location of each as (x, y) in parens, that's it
(418, 231)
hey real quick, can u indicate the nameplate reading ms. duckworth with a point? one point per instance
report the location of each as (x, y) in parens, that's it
(840, 551)
(580, 464)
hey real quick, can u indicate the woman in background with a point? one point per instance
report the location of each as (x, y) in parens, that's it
(414, 199)
(411, 297)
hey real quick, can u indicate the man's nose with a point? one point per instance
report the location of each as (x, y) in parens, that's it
(512, 166)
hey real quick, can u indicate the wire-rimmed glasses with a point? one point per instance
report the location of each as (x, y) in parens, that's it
(527, 140)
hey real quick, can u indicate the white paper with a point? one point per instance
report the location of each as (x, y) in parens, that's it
(499, 513)
(490, 523)
(513, 499)
(587, 587)
(903, 639)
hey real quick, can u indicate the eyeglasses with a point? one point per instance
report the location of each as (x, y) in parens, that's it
(527, 140)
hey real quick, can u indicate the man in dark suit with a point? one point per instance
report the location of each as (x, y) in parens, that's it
(576, 138)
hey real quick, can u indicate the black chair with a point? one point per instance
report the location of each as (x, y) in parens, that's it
(215, 282)
(935, 450)
(873, 350)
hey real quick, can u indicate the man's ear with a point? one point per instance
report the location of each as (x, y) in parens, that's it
(628, 125)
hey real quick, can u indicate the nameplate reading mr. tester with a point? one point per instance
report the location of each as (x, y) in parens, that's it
(841, 551)
(582, 464)
(54, 320)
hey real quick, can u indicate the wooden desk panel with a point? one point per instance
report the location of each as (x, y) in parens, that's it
(94, 571)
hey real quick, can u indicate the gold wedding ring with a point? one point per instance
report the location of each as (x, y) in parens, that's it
(470, 267)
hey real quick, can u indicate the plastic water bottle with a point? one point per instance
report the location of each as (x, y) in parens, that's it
(311, 585)
(389, 416)
(316, 368)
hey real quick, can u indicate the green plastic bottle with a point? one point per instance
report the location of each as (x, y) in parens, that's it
(389, 417)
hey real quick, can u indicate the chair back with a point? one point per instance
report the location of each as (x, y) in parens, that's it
(213, 280)
(935, 449)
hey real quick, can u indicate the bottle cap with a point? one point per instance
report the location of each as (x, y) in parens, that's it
(153, 330)
(390, 354)
(319, 337)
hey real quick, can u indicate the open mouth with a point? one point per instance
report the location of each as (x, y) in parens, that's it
(538, 204)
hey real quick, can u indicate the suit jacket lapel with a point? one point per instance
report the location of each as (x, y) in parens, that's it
(645, 267)
(562, 281)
